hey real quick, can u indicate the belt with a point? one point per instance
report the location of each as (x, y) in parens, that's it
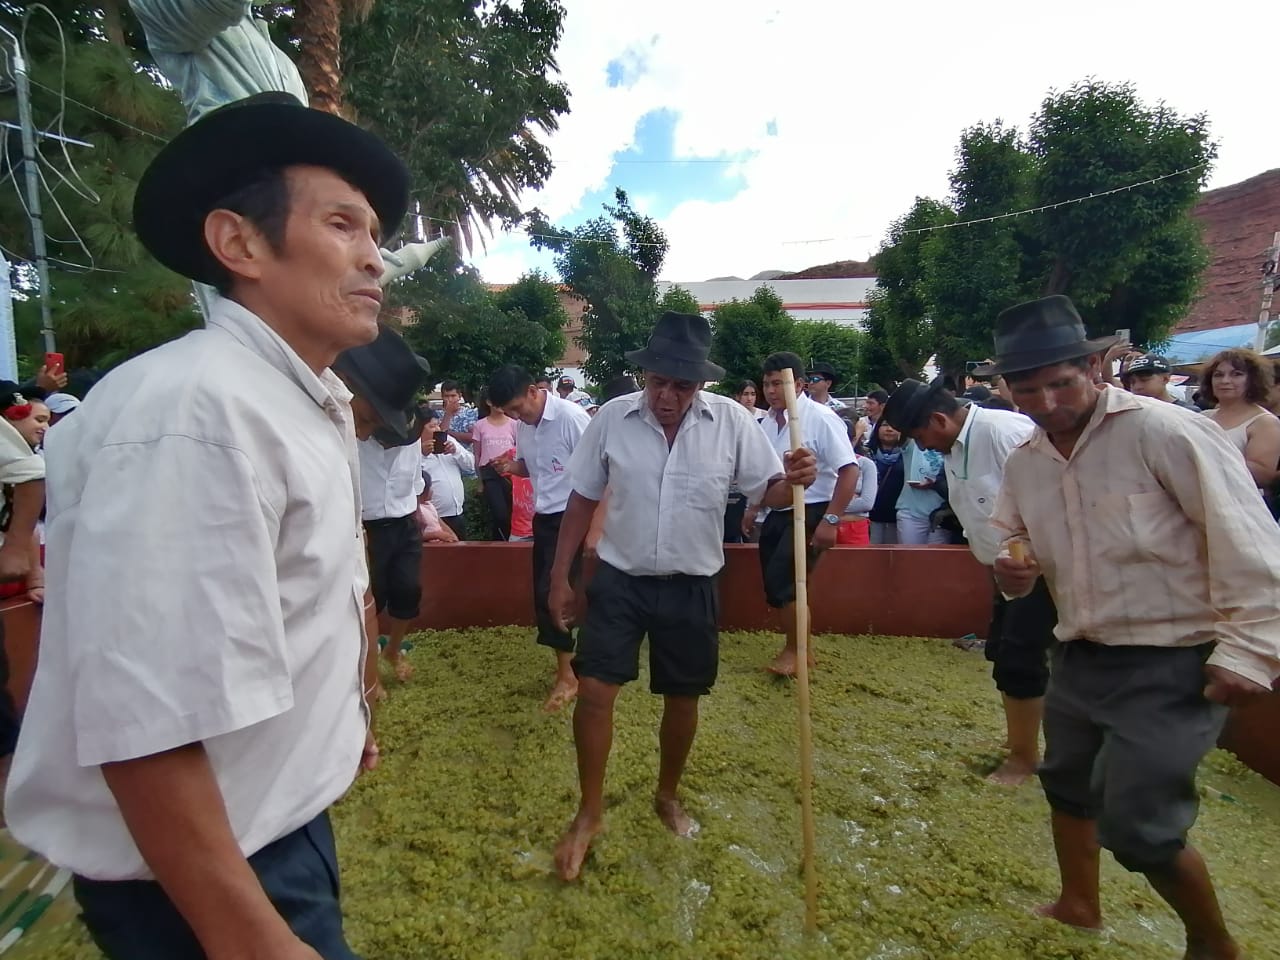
(387, 521)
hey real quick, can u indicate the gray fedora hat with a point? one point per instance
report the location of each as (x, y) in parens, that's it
(1041, 333)
(679, 347)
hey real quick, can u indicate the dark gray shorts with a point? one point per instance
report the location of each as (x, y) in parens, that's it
(1125, 729)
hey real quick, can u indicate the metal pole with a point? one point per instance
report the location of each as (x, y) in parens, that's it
(1269, 277)
(33, 194)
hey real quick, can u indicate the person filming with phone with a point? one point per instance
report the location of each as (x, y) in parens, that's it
(445, 460)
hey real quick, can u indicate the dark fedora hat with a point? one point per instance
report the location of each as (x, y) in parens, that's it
(228, 147)
(904, 410)
(389, 375)
(825, 370)
(1040, 333)
(678, 347)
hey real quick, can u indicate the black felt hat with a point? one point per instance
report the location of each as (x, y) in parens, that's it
(1040, 333)
(904, 408)
(826, 370)
(389, 375)
(228, 147)
(679, 347)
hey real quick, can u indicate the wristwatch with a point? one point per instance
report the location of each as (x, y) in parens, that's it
(832, 519)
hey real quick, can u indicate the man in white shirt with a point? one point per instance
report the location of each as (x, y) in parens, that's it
(667, 455)
(547, 432)
(975, 443)
(825, 435)
(191, 722)
(567, 389)
(445, 462)
(821, 380)
(390, 481)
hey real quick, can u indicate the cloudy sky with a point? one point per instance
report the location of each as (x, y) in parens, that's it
(751, 128)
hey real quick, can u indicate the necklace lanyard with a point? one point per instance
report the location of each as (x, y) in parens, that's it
(967, 447)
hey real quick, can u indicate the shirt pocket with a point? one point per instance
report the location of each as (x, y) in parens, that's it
(1148, 527)
(706, 483)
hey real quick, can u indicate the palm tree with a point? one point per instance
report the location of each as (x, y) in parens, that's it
(318, 25)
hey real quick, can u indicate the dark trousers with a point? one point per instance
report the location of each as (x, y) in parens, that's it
(497, 497)
(9, 722)
(546, 534)
(733, 513)
(1019, 641)
(456, 523)
(135, 920)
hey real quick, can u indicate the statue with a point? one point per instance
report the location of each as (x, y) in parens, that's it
(215, 52)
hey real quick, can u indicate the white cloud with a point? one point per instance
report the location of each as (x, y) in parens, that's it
(869, 101)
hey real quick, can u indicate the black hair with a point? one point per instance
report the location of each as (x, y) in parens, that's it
(879, 396)
(544, 378)
(941, 401)
(1018, 376)
(264, 201)
(997, 402)
(785, 360)
(619, 386)
(507, 383)
(741, 386)
(450, 386)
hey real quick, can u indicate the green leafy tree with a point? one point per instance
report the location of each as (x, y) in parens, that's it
(611, 263)
(898, 309)
(974, 272)
(465, 331)
(536, 297)
(678, 300)
(744, 332)
(841, 346)
(462, 90)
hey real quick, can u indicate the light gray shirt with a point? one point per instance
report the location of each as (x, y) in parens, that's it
(665, 513)
(545, 448)
(214, 52)
(823, 433)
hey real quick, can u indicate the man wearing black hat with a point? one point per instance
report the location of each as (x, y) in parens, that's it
(1148, 376)
(1160, 556)
(975, 443)
(668, 455)
(217, 683)
(820, 381)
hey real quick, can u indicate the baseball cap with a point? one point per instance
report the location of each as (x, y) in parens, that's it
(1151, 363)
(568, 380)
(61, 403)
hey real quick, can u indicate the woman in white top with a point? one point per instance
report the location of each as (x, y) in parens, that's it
(1239, 381)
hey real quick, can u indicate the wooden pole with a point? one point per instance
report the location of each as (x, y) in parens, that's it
(801, 541)
(1017, 551)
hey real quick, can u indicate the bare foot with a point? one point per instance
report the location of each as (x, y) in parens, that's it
(671, 813)
(1073, 915)
(784, 664)
(1012, 773)
(403, 668)
(378, 694)
(574, 845)
(562, 694)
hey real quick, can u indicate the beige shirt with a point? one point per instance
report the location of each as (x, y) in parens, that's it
(1150, 534)
(665, 512)
(206, 581)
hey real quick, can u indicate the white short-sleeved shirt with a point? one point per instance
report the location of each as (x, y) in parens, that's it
(665, 513)
(975, 469)
(390, 480)
(824, 435)
(546, 448)
(205, 584)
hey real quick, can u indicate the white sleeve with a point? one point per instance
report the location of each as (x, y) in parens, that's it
(464, 458)
(589, 467)
(756, 462)
(179, 637)
(175, 26)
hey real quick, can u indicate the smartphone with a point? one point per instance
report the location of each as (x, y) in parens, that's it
(438, 439)
(53, 363)
(971, 365)
(1124, 336)
(915, 483)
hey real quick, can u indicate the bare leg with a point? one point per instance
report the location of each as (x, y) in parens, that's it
(679, 724)
(593, 736)
(565, 687)
(1022, 721)
(395, 637)
(784, 664)
(1076, 843)
(1186, 886)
